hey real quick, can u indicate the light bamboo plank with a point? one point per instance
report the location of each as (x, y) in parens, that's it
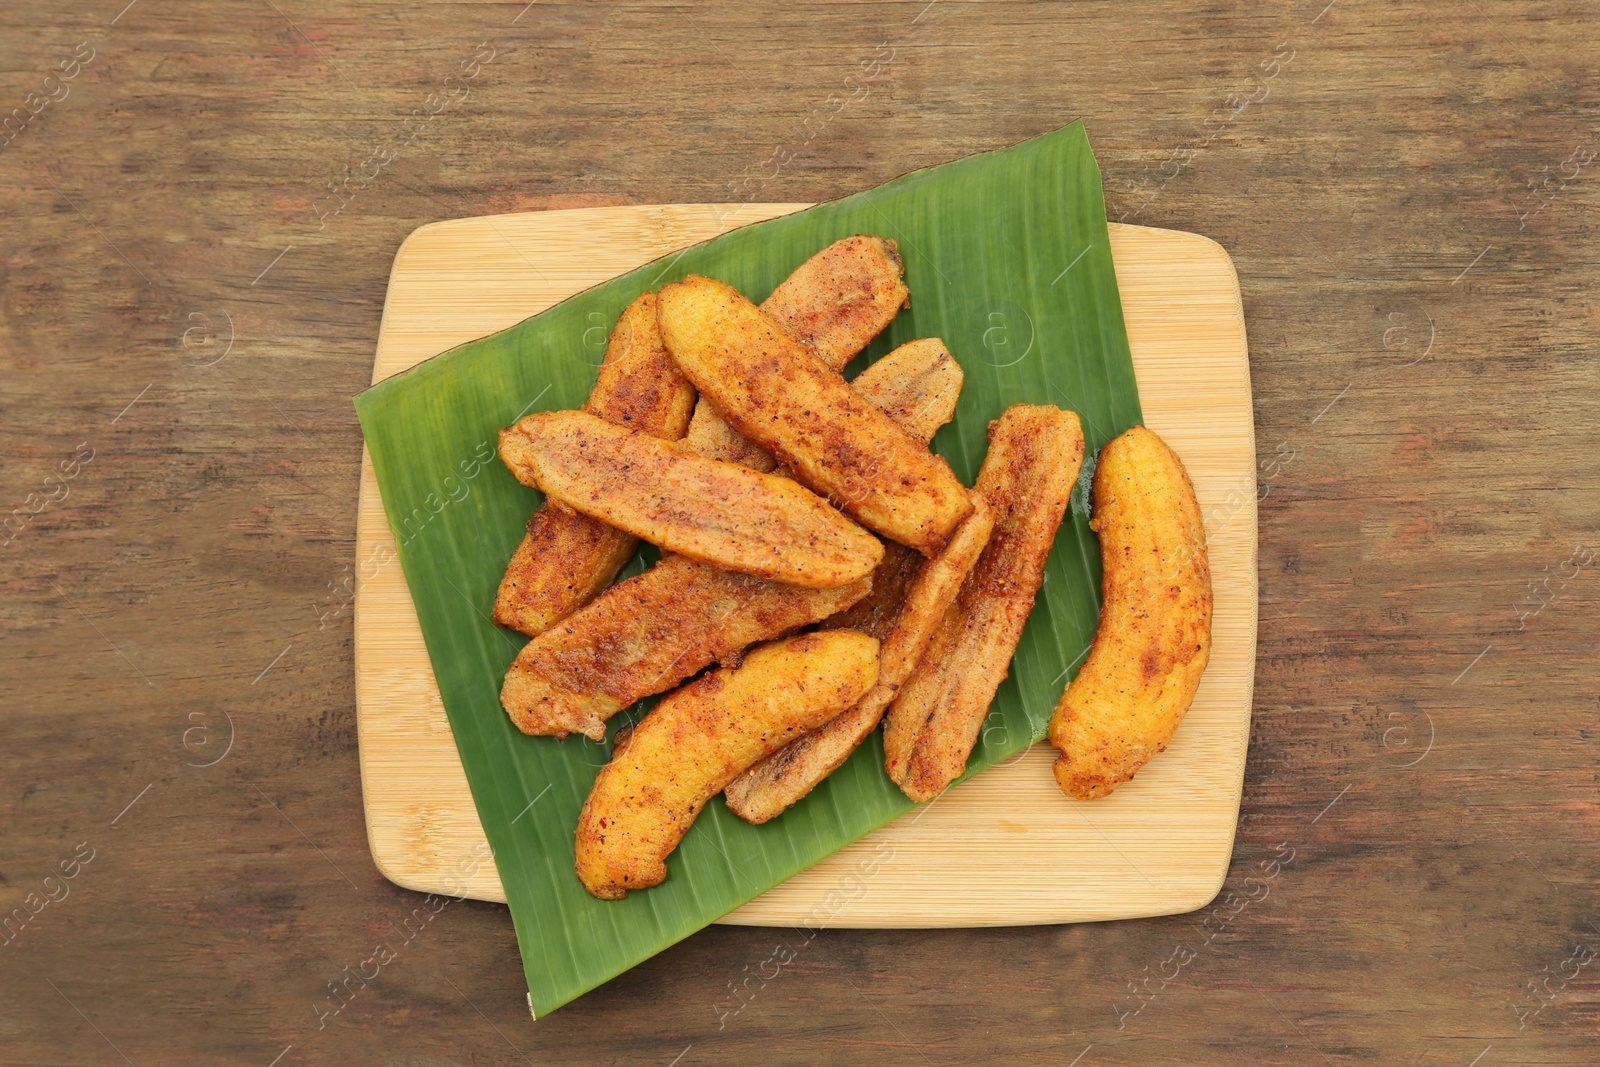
(1003, 849)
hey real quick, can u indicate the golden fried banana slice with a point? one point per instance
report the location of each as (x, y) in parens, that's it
(916, 385)
(1154, 637)
(781, 396)
(565, 558)
(1027, 478)
(696, 740)
(841, 298)
(563, 562)
(645, 635)
(771, 786)
(834, 303)
(714, 512)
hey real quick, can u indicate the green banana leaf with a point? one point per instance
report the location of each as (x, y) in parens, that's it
(1008, 260)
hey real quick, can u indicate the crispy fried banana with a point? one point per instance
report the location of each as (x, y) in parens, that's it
(1027, 478)
(841, 298)
(784, 398)
(714, 512)
(563, 562)
(566, 558)
(696, 740)
(645, 635)
(834, 303)
(1154, 638)
(664, 625)
(771, 786)
(916, 385)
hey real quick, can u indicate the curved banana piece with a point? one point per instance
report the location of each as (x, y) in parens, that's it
(1154, 638)
(700, 738)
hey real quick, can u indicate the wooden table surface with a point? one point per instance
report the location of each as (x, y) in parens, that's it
(201, 203)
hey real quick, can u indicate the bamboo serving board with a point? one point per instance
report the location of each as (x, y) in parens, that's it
(1006, 848)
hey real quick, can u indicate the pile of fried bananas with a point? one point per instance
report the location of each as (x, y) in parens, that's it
(832, 568)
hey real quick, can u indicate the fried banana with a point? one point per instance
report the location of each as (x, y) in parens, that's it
(714, 512)
(916, 385)
(565, 558)
(841, 298)
(781, 396)
(834, 303)
(645, 635)
(1154, 637)
(664, 625)
(563, 562)
(696, 740)
(771, 786)
(1027, 478)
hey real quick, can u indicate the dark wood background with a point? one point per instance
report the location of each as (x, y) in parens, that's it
(174, 313)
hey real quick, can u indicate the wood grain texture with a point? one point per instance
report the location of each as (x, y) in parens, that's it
(1407, 675)
(1003, 849)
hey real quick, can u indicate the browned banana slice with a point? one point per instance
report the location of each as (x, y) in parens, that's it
(696, 740)
(565, 558)
(714, 512)
(916, 385)
(1027, 478)
(784, 398)
(834, 303)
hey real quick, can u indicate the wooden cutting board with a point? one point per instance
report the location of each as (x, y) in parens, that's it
(1006, 848)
